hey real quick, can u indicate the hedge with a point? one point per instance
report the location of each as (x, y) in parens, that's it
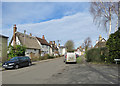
(97, 54)
(113, 44)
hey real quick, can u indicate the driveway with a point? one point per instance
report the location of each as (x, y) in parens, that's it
(56, 72)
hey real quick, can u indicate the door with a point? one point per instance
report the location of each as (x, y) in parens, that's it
(21, 61)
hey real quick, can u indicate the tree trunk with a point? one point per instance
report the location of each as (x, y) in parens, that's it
(119, 14)
(109, 22)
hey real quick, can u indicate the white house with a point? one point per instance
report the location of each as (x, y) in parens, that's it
(61, 50)
(78, 52)
(54, 48)
(100, 43)
(45, 46)
(32, 46)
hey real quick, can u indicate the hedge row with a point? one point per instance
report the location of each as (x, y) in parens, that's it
(46, 56)
(97, 55)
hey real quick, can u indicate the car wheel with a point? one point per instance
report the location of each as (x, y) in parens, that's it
(66, 62)
(6, 68)
(16, 66)
(29, 64)
(75, 62)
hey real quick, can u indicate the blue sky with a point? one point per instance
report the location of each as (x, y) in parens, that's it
(56, 20)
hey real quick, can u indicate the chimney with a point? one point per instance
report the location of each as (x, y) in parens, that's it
(30, 34)
(14, 35)
(100, 37)
(24, 31)
(54, 42)
(43, 37)
(50, 42)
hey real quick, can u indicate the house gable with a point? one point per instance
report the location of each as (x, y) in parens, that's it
(26, 40)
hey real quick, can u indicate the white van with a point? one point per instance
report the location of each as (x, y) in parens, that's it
(70, 57)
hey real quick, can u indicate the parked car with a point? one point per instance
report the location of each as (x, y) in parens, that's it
(17, 62)
(70, 57)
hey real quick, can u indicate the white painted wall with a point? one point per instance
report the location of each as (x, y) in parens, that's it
(62, 51)
(78, 52)
(28, 51)
(50, 51)
(45, 48)
(17, 41)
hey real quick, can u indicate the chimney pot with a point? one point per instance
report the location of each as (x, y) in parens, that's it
(54, 42)
(50, 42)
(14, 35)
(43, 37)
(24, 31)
(30, 34)
(14, 25)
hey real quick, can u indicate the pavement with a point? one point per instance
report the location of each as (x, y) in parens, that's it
(55, 71)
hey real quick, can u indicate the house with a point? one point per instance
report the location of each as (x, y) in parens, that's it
(3, 48)
(62, 50)
(33, 49)
(77, 51)
(54, 50)
(45, 46)
(100, 43)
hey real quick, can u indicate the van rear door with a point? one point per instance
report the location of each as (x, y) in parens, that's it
(71, 57)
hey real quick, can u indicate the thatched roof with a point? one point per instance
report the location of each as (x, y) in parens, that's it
(28, 41)
(100, 44)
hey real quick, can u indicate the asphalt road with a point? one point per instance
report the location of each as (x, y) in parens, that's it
(56, 72)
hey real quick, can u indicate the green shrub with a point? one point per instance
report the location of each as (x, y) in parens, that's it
(113, 44)
(34, 59)
(18, 50)
(96, 54)
(47, 56)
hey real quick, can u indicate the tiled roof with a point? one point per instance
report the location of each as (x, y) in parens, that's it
(43, 41)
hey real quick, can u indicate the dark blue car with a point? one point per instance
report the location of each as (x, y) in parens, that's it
(17, 62)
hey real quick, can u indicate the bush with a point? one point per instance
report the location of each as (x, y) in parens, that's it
(113, 44)
(47, 56)
(96, 54)
(18, 50)
(35, 59)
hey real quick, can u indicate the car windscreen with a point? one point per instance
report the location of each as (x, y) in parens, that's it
(14, 59)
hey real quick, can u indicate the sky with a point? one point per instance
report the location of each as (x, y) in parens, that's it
(55, 20)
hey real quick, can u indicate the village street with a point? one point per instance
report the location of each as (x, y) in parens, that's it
(56, 72)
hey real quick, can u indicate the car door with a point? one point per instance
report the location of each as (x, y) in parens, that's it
(22, 62)
(26, 61)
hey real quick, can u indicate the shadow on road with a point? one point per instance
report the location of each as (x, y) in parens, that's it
(106, 76)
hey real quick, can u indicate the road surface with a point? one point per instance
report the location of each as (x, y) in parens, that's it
(56, 72)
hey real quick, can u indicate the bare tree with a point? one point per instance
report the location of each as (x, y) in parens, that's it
(87, 43)
(104, 13)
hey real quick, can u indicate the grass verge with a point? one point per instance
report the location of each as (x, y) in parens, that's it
(80, 60)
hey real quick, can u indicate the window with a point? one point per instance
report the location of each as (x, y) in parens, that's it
(14, 59)
(27, 58)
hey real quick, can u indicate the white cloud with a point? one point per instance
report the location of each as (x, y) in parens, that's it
(76, 27)
(57, 0)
